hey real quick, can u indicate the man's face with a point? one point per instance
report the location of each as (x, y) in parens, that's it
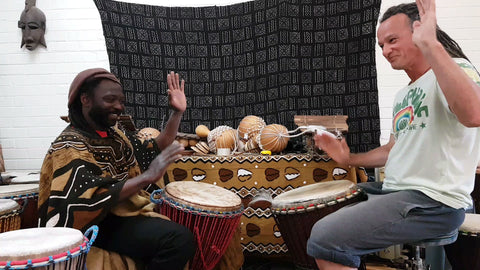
(395, 39)
(32, 23)
(106, 105)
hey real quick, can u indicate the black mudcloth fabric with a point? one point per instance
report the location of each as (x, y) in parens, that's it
(270, 58)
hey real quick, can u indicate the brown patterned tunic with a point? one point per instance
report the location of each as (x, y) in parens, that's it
(82, 176)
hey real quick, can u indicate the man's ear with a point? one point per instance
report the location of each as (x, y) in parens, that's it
(85, 99)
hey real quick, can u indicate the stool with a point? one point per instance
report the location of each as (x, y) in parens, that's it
(418, 263)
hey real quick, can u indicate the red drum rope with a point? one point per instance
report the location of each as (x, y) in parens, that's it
(213, 232)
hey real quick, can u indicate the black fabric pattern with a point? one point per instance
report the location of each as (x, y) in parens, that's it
(270, 58)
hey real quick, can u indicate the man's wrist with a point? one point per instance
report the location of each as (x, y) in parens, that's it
(431, 47)
(177, 113)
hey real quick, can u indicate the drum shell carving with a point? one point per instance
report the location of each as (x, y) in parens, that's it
(9, 215)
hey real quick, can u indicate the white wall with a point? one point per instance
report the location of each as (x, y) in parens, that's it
(460, 19)
(34, 85)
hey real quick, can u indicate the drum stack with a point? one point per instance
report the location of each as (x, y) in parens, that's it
(23, 189)
(22, 244)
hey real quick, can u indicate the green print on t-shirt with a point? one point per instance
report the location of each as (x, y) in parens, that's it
(414, 97)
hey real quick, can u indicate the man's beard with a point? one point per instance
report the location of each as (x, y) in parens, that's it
(102, 118)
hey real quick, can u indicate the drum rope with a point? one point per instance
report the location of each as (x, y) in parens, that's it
(51, 260)
(94, 231)
(213, 232)
(200, 248)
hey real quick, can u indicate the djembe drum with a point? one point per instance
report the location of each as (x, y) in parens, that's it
(297, 210)
(9, 215)
(212, 213)
(45, 248)
(465, 252)
(27, 196)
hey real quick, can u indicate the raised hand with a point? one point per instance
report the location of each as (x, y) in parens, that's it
(176, 92)
(424, 30)
(159, 165)
(338, 150)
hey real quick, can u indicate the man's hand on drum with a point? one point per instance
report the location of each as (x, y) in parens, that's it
(338, 150)
(159, 165)
(176, 92)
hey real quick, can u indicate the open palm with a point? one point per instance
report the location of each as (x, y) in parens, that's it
(424, 30)
(176, 92)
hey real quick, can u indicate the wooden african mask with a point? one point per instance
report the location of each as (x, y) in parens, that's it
(33, 23)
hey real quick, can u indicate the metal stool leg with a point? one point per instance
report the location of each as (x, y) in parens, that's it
(418, 262)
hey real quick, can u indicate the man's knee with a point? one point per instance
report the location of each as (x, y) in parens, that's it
(184, 242)
(175, 249)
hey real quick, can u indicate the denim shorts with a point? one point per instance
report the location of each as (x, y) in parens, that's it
(385, 219)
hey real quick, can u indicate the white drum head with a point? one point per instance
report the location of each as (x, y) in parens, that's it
(10, 191)
(471, 225)
(8, 206)
(204, 196)
(35, 243)
(24, 177)
(314, 193)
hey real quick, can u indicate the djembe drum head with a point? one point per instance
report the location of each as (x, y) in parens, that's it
(44, 248)
(205, 196)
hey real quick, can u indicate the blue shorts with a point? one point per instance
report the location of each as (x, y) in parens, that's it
(385, 219)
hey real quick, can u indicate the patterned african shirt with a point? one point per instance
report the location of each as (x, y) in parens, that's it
(82, 176)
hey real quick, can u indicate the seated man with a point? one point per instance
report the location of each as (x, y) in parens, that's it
(92, 174)
(432, 154)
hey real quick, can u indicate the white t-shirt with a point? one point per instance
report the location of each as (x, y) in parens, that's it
(433, 152)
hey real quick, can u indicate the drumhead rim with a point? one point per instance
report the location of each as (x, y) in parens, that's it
(27, 239)
(45, 261)
(198, 205)
(19, 190)
(9, 206)
(282, 206)
(228, 213)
